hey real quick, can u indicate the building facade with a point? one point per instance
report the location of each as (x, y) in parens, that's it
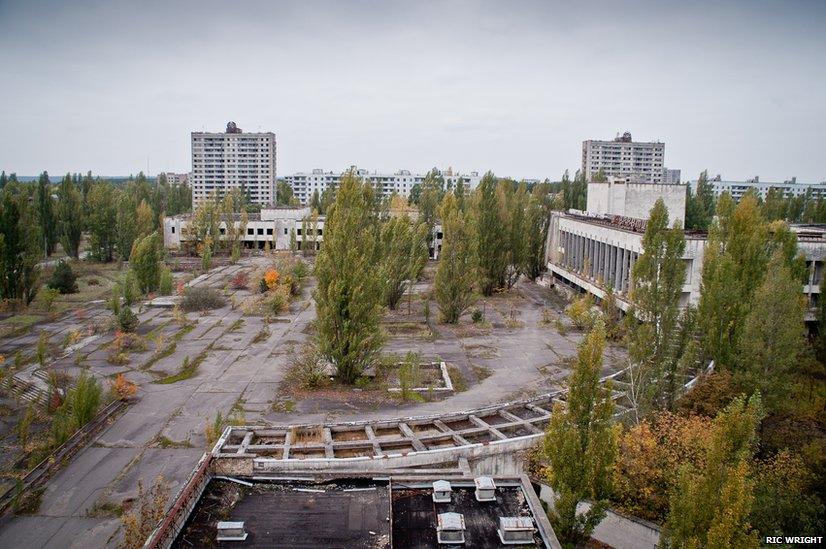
(233, 160)
(671, 177)
(634, 200)
(738, 188)
(595, 251)
(175, 178)
(304, 184)
(273, 226)
(624, 158)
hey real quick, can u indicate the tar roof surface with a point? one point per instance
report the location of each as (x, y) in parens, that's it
(351, 515)
(415, 515)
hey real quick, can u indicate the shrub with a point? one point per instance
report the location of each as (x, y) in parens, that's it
(262, 286)
(84, 399)
(277, 300)
(581, 313)
(130, 288)
(477, 316)
(202, 298)
(63, 278)
(300, 270)
(239, 281)
(47, 297)
(271, 278)
(122, 388)
(308, 369)
(165, 286)
(145, 261)
(127, 320)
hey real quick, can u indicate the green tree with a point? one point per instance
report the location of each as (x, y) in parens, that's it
(580, 445)
(283, 193)
(404, 254)
(490, 237)
(144, 219)
(102, 221)
(350, 290)
(125, 229)
(20, 245)
(514, 204)
(70, 214)
(699, 207)
(145, 262)
(432, 191)
(45, 214)
(710, 506)
(453, 285)
(656, 285)
(773, 336)
(537, 218)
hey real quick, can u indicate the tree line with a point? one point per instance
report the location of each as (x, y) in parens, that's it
(36, 217)
(701, 204)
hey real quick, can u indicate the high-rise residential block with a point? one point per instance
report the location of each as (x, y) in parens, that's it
(633, 161)
(233, 159)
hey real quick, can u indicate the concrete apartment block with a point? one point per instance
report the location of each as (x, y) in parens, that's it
(233, 160)
(624, 158)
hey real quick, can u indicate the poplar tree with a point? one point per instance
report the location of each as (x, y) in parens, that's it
(125, 228)
(45, 213)
(710, 506)
(145, 262)
(102, 221)
(144, 219)
(404, 250)
(70, 215)
(513, 205)
(580, 444)
(350, 289)
(490, 238)
(537, 218)
(453, 284)
(773, 337)
(656, 285)
(20, 245)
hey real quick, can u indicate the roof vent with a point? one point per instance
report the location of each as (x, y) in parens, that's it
(485, 489)
(516, 530)
(441, 491)
(450, 528)
(231, 531)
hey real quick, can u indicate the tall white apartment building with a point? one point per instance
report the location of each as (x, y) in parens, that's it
(631, 160)
(305, 184)
(233, 159)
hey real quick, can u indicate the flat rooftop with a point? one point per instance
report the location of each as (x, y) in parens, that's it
(352, 514)
(415, 513)
(349, 513)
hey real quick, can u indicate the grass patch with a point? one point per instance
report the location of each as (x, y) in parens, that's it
(165, 442)
(105, 509)
(188, 369)
(261, 336)
(28, 503)
(284, 406)
(456, 377)
(237, 325)
(481, 372)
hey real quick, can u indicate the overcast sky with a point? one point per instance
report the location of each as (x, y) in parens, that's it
(514, 87)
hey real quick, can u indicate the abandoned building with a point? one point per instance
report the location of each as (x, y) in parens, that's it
(594, 250)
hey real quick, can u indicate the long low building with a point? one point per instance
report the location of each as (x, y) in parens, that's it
(273, 225)
(596, 250)
(737, 189)
(401, 182)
